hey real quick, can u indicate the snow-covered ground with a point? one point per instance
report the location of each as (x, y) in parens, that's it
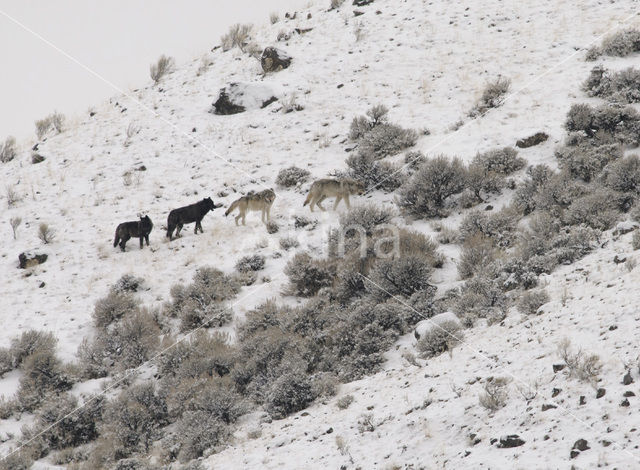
(428, 62)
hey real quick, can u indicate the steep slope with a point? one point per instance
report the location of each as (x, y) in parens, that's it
(428, 62)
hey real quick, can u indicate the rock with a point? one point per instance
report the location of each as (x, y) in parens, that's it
(583, 400)
(627, 379)
(548, 406)
(273, 60)
(358, 12)
(239, 97)
(558, 367)
(302, 30)
(606, 443)
(194, 129)
(29, 259)
(362, 3)
(37, 158)
(581, 445)
(619, 260)
(512, 440)
(555, 392)
(600, 393)
(488, 207)
(340, 85)
(613, 327)
(574, 453)
(625, 403)
(532, 140)
(624, 227)
(42, 284)
(629, 393)
(329, 431)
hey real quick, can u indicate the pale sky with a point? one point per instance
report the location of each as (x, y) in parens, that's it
(118, 39)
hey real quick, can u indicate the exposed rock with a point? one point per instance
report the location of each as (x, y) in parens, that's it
(558, 367)
(555, 392)
(627, 379)
(362, 3)
(600, 393)
(618, 260)
(239, 97)
(548, 406)
(29, 259)
(583, 400)
(624, 227)
(581, 445)
(512, 440)
(629, 393)
(273, 60)
(37, 158)
(532, 140)
(574, 453)
(625, 403)
(358, 12)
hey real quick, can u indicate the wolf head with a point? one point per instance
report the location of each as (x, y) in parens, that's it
(355, 187)
(207, 202)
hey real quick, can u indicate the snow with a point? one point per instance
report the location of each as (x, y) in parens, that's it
(250, 95)
(428, 63)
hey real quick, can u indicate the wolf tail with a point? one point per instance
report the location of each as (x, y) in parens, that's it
(308, 200)
(231, 208)
(116, 240)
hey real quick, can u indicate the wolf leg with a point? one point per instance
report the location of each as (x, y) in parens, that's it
(335, 204)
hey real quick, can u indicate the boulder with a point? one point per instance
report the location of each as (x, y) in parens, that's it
(28, 259)
(512, 440)
(273, 60)
(240, 97)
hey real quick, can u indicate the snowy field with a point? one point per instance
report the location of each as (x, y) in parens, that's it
(428, 62)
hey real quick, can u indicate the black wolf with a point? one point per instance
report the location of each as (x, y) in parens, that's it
(137, 228)
(188, 214)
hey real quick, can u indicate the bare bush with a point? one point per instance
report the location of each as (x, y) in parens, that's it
(492, 97)
(31, 342)
(250, 263)
(133, 420)
(622, 86)
(13, 196)
(619, 44)
(286, 243)
(344, 402)
(439, 338)
(15, 223)
(132, 130)
(495, 393)
(366, 216)
(292, 176)
(162, 67)
(54, 121)
(502, 161)
(8, 150)
(114, 306)
(478, 252)
(129, 342)
(375, 116)
(378, 174)
(586, 368)
(237, 36)
(336, 4)
(291, 392)
(499, 227)
(290, 103)
(400, 276)
(43, 375)
(62, 423)
(307, 275)
(531, 301)
(199, 431)
(274, 17)
(46, 234)
(426, 192)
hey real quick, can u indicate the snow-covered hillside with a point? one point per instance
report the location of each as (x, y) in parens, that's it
(428, 62)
